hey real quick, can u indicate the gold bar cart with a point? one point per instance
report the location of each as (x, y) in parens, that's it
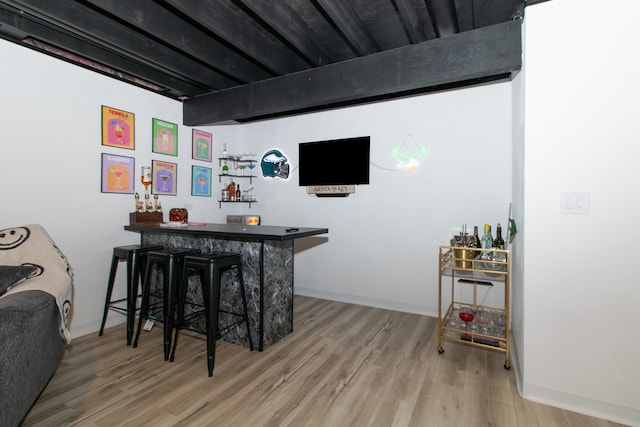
(473, 267)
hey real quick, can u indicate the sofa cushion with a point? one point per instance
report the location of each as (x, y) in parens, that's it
(12, 275)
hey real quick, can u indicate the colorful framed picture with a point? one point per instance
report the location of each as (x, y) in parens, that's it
(118, 174)
(200, 181)
(165, 138)
(118, 128)
(201, 145)
(164, 178)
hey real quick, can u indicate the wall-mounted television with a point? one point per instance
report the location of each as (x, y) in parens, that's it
(334, 162)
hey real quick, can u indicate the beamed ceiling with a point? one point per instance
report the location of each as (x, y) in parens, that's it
(243, 60)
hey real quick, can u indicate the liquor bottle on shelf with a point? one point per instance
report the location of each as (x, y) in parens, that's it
(225, 168)
(224, 154)
(499, 241)
(238, 198)
(232, 191)
(487, 240)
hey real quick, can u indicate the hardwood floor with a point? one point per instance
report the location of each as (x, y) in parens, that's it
(344, 365)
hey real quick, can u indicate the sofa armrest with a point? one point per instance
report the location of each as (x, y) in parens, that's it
(30, 351)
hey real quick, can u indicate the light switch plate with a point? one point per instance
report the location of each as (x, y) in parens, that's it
(575, 202)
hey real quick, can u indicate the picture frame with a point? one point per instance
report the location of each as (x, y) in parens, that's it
(200, 181)
(165, 137)
(118, 128)
(201, 145)
(164, 178)
(117, 174)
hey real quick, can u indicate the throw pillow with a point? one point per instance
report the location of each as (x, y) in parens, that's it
(12, 275)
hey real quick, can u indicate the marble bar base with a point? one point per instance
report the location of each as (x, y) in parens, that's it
(268, 277)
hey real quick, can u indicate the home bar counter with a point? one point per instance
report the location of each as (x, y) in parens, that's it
(267, 263)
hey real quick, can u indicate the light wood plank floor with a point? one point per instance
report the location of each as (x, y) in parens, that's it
(344, 365)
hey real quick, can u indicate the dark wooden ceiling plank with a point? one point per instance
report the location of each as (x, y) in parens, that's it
(282, 19)
(172, 86)
(86, 23)
(164, 25)
(481, 53)
(444, 17)
(231, 26)
(346, 19)
(411, 20)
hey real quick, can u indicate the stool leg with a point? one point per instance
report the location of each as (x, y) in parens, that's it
(182, 296)
(244, 304)
(211, 291)
(112, 277)
(169, 284)
(144, 304)
(132, 291)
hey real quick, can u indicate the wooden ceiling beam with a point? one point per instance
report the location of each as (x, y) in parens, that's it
(87, 24)
(478, 54)
(411, 21)
(232, 26)
(444, 17)
(166, 26)
(19, 28)
(285, 22)
(350, 25)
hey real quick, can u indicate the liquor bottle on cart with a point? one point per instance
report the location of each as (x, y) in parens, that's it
(499, 241)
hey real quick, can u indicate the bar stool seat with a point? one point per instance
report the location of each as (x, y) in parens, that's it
(210, 267)
(171, 261)
(135, 256)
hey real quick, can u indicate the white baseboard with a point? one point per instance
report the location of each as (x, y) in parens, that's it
(368, 302)
(582, 405)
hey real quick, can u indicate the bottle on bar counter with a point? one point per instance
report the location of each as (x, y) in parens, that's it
(499, 241)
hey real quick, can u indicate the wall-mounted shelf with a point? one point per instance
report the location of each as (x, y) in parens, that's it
(220, 202)
(237, 176)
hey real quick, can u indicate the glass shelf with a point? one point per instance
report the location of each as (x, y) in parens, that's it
(220, 202)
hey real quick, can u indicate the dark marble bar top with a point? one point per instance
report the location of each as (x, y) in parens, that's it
(235, 231)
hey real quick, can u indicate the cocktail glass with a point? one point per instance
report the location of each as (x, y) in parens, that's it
(466, 315)
(483, 318)
(499, 318)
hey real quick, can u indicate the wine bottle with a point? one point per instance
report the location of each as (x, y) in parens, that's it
(238, 193)
(475, 240)
(225, 168)
(224, 154)
(487, 240)
(499, 241)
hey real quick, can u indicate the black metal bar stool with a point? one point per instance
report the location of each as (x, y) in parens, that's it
(171, 260)
(135, 256)
(210, 267)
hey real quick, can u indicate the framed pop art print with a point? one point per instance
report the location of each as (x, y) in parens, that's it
(201, 142)
(165, 178)
(118, 174)
(200, 181)
(165, 137)
(118, 128)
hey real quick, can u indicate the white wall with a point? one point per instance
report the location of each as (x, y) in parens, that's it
(50, 165)
(383, 240)
(581, 292)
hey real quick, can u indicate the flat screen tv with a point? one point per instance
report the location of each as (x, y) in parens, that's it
(334, 162)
